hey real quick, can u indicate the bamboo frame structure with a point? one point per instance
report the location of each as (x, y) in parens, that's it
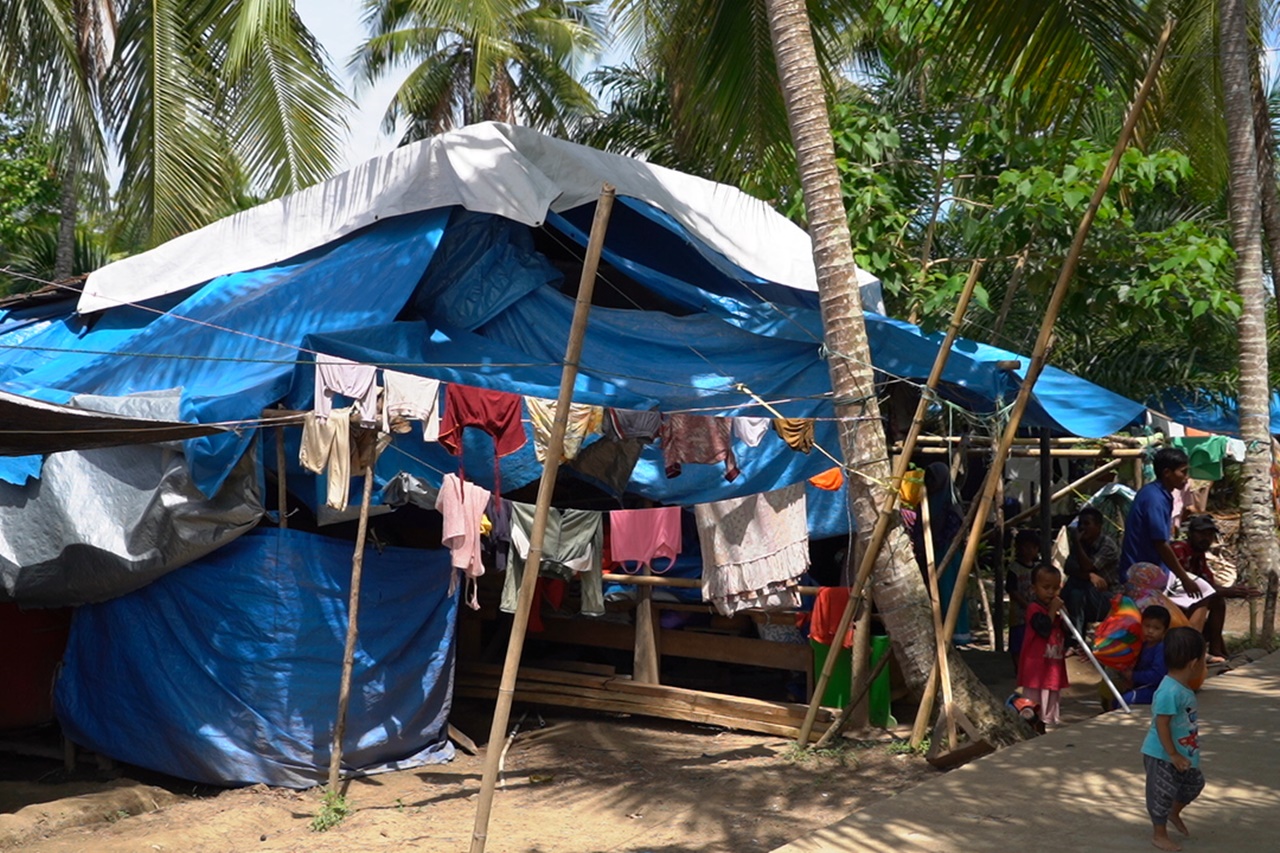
(353, 616)
(542, 509)
(872, 550)
(1044, 339)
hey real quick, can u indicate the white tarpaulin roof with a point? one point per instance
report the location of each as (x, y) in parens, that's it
(511, 171)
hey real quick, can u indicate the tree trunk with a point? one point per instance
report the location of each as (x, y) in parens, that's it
(897, 586)
(1265, 142)
(1258, 548)
(64, 260)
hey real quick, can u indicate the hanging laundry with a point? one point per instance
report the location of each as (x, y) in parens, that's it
(326, 444)
(572, 549)
(609, 462)
(494, 412)
(495, 546)
(829, 480)
(584, 420)
(796, 432)
(700, 439)
(644, 535)
(754, 549)
(414, 398)
(350, 379)
(405, 488)
(751, 430)
(621, 424)
(462, 503)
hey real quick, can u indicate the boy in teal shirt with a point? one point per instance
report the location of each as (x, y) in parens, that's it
(1171, 752)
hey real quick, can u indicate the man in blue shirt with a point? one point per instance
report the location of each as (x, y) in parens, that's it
(1148, 530)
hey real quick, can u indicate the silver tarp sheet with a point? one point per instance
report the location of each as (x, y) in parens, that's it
(101, 523)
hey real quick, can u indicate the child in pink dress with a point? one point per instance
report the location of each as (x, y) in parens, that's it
(1042, 666)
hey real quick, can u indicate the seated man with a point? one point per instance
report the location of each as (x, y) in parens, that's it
(1091, 570)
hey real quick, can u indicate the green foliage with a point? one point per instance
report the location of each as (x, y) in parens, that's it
(333, 811)
(510, 60)
(904, 747)
(28, 185)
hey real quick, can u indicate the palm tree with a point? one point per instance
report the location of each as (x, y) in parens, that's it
(1236, 60)
(515, 61)
(898, 588)
(196, 98)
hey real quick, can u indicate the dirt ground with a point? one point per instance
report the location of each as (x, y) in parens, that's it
(578, 782)
(572, 782)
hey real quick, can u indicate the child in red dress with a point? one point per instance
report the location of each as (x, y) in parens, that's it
(1042, 666)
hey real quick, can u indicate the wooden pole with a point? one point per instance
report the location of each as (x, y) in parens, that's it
(542, 510)
(878, 533)
(353, 615)
(941, 640)
(282, 491)
(1046, 498)
(1066, 490)
(645, 659)
(860, 661)
(998, 638)
(1045, 338)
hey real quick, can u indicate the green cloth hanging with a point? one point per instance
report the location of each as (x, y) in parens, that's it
(1205, 453)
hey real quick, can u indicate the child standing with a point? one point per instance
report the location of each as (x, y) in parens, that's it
(1171, 752)
(1026, 556)
(1042, 667)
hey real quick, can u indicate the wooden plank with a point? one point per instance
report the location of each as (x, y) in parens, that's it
(617, 704)
(627, 690)
(743, 650)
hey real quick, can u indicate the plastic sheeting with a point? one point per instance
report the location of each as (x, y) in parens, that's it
(226, 671)
(1211, 412)
(231, 345)
(101, 523)
(514, 172)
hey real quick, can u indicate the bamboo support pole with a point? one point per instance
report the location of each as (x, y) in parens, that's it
(542, 509)
(1046, 498)
(940, 639)
(353, 615)
(885, 518)
(1044, 339)
(839, 724)
(1066, 490)
(998, 581)
(986, 612)
(1057, 452)
(282, 491)
(1113, 441)
(645, 657)
(679, 583)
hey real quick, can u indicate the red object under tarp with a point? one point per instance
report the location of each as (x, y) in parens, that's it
(32, 642)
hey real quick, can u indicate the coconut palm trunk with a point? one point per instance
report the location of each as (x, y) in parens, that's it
(1258, 532)
(897, 586)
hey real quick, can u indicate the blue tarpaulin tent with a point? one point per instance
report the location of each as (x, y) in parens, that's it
(446, 259)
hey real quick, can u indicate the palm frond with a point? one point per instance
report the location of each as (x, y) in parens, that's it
(287, 110)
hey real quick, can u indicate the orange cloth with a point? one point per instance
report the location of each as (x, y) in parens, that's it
(831, 479)
(828, 607)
